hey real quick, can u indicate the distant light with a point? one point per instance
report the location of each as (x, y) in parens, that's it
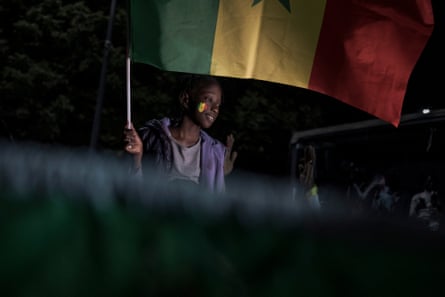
(426, 111)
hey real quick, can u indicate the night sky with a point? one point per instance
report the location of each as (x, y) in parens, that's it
(426, 84)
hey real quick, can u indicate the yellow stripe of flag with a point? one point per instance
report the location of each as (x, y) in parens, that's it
(265, 32)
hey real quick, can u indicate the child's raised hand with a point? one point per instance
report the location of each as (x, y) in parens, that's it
(230, 157)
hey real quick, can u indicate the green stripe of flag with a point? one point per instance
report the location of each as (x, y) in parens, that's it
(172, 43)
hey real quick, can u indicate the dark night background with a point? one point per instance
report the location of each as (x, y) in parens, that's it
(139, 239)
(51, 54)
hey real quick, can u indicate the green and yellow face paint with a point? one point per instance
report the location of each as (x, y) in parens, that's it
(202, 106)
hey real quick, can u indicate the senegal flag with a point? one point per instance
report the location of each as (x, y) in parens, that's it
(361, 52)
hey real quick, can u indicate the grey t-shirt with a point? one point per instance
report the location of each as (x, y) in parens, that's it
(186, 162)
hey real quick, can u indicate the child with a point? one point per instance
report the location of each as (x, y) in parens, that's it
(179, 148)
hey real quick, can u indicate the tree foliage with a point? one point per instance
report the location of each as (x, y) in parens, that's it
(50, 67)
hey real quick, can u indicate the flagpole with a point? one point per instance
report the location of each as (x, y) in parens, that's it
(128, 88)
(100, 95)
(128, 68)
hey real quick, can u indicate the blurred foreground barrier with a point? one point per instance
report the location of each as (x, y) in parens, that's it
(93, 232)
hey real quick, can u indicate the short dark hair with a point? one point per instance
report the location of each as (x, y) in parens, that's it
(189, 83)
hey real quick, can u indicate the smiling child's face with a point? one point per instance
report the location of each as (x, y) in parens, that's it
(204, 104)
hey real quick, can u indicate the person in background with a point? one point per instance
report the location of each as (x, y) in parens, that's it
(369, 193)
(307, 178)
(425, 206)
(179, 148)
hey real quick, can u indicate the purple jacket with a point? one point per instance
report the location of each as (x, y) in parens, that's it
(154, 135)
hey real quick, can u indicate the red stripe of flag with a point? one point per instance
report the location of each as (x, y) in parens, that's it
(367, 51)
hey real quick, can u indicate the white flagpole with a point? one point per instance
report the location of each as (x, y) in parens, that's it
(128, 89)
(128, 68)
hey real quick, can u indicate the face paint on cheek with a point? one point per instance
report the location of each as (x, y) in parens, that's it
(202, 106)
